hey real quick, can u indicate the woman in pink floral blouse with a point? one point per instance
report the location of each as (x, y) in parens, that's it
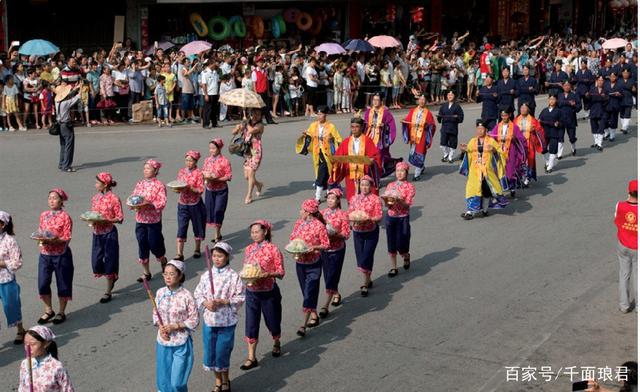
(190, 205)
(311, 228)
(263, 296)
(366, 233)
(55, 257)
(49, 374)
(217, 172)
(149, 217)
(105, 254)
(398, 225)
(333, 258)
(220, 306)
(252, 133)
(10, 262)
(174, 346)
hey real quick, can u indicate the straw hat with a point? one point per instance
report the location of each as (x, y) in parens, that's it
(62, 92)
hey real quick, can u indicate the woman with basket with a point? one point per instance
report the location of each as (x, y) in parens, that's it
(399, 197)
(262, 294)
(190, 205)
(217, 172)
(311, 229)
(251, 133)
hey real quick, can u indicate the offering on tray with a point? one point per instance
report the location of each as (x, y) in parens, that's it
(41, 236)
(177, 185)
(92, 216)
(358, 216)
(135, 200)
(250, 273)
(391, 196)
(297, 246)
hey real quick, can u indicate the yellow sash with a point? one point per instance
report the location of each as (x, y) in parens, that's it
(356, 171)
(373, 130)
(525, 124)
(417, 126)
(506, 141)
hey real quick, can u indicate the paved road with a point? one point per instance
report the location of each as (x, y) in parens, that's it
(533, 285)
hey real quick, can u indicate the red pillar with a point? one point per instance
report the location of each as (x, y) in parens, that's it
(436, 16)
(354, 16)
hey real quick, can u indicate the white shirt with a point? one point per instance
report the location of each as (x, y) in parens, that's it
(308, 73)
(360, 70)
(211, 81)
(225, 68)
(320, 130)
(356, 145)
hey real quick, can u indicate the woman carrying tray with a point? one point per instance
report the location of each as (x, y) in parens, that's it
(219, 295)
(333, 257)
(310, 228)
(365, 231)
(149, 217)
(10, 262)
(217, 172)
(55, 256)
(399, 197)
(263, 295)
(190, 205)
(105, 250)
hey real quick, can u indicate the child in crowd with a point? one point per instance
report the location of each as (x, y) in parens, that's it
(162, 102)
(295, 93)
(398, 83)
(3, 115)
(338, 82)
(347, 98)
(84, 100)
(10, 100)
(225, 86)
(46, 105)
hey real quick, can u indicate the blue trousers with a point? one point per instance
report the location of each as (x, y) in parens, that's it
(196, 215)
(270, 304)
(598, 125)
(10, 297)
(105, 254)
(398, 235)
(365, 243)
(309, 280)
(571, 132)
(62, 266)
(612, 119)
(218, 344)
(150, 239)
(332, 269)
(216, 205)
(173, 366)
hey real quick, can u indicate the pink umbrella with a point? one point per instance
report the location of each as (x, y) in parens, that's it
(614, 43)
(330, 48)
(195, 47)
(384, 41)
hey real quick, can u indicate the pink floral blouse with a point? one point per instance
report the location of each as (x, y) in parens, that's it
(176, 307)
(11, 254)
(339, 219)
(106, 86)
(194, 180)
(269, 258)
(407, 191)
(313, 233)
(371, 205)
(59, 223)
(221, 168)
(49, 375)
(154, 192)
(110, 207)
(226, 285)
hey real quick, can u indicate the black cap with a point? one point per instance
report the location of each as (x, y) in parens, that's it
(323, 109)
(506, 111)
(357, 120)
(481, 122)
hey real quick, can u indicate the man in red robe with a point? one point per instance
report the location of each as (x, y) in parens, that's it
(356, 145)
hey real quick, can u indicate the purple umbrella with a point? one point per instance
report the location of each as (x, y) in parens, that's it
(330, 48)
(164, 45)
(195, 47)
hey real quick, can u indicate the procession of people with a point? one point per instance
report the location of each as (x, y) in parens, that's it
(350, 174)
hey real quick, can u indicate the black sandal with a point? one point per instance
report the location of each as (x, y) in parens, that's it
(59, 319)
(364, 291)
(105, 298)
(249, 364)
(313, 322)
(370, 285)
(301, 331)
(144, 277)
(197, 254)
(178, 257)
(276, 351)
(407, 262)
(392, 272)
(19, 337)
(228, 384)
(324, 312)
(217, 388)
(46, 317)
(337, 300)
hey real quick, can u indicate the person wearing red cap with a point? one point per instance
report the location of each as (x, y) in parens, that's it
(190, 205)
(310, 228)
(217, 172)
(332, 258)
(366, 232)
(149, 217)
(400, 199)
(105, 249)
(626, 220)
(263, 295)
(55, 256)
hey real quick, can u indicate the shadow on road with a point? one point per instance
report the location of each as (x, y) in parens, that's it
(304, 353)
(291, 189)
(89, 165)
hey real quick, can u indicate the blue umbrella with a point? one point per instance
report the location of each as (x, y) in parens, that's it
(358, 45)
(38, 47)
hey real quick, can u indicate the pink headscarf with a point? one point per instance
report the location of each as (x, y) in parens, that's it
(193, 154)
(335, 191)
(105, 178)
(263, 223)
(44, 332)
(403, 165)
(154, 164)
(310, 206)
(61, 193)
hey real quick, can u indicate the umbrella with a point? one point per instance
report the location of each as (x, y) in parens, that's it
(164, 45)
(358, 45)
(384, 41)
(614, 43)
(195, 47)
(330, 48)
(38, 47)
(243, 98)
